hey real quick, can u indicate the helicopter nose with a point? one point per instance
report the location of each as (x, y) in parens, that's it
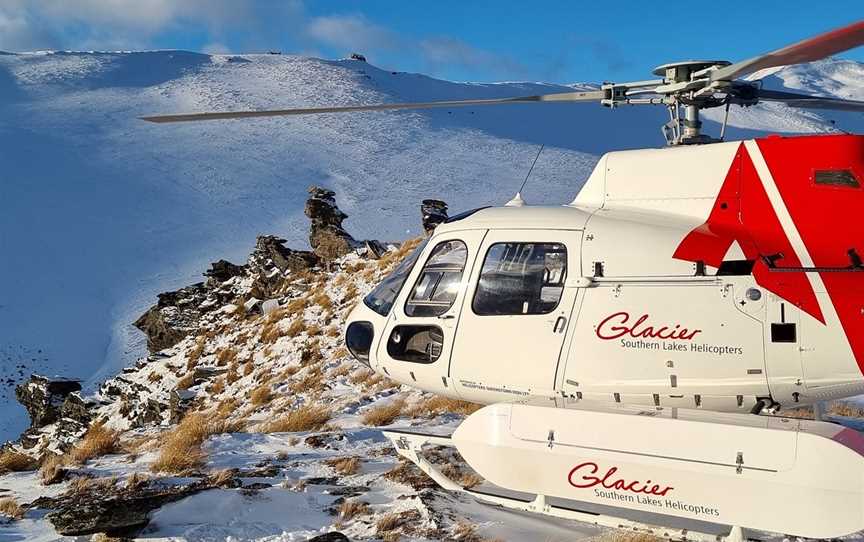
(358, 338)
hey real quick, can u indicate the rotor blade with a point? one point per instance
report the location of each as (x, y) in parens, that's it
(811, 49)
(585, 96)
(808, 101)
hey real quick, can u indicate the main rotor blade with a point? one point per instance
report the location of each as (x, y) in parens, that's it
(811, 49)
(586, 96)
(808, 101)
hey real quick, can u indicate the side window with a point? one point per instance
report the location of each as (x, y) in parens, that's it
(438, 283)
(521, 278)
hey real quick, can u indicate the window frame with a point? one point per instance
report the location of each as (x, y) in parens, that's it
(418, 250)
(422, 273)
(566, 260)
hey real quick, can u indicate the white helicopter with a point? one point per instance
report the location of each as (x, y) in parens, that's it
(625, 341)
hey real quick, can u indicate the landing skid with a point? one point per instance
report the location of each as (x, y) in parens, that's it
(409, 444)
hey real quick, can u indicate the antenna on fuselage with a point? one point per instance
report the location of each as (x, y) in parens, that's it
(517, 200)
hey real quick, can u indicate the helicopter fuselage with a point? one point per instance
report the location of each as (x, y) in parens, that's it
(717, 277)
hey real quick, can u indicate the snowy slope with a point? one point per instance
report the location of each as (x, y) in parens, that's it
(100, 211)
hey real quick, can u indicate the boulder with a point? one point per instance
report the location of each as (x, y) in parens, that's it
(116, 511)
(175, 316)
(332, 536)
(272, 261)
(223, 270)
(328, 238)
(434, 212)
(44, 398)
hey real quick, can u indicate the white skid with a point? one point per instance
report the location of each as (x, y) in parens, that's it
(409, 444)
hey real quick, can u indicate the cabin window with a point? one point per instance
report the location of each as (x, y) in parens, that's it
(381, 299)
(439, 281)
(836, 177)
(521, 278)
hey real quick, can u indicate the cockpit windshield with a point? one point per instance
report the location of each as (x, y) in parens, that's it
(381, 299)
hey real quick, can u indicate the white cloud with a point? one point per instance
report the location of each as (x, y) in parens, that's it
(352, 32)
(442, 51)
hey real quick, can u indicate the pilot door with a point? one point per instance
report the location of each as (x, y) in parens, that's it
(515, 314)
(417, 341)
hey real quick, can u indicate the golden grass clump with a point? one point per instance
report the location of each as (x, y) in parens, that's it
(312, 381)
(619, 535)
(313, 330)
(333, 331)
(233, 375)
(12, 461)
(847, 410)
(388, 522)
(225, 356)
(195, 353)
(270, 332)
(248, 368)
(304, 418)
(296, 306)
(384, 414)
(187, 381)
(154, 376)
(261, 395)
(218, 387)
(10, 508)
(181, 451)
(350, 293)
(435, 406)
(97, 441)
(51, 469)
(297, 327)
(323, 300)
(344, 465)
(352, 508)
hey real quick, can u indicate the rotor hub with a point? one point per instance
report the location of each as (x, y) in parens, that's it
(682, 71)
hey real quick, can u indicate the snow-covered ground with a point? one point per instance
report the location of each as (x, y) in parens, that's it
(100, 211)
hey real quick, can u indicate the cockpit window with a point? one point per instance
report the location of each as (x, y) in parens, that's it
(381, 299)
(836, 177)
(521, 278)
(438, 283)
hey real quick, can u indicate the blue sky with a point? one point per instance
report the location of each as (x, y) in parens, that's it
(564, 41)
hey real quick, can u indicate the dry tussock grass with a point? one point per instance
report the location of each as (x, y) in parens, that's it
(344, 465)
(388, 523)
(233, 375)
(195, 353)
(186, 382)
(361, 375)
(270, 332)
(312, 381)
(464, 478)
(51, 467)
(154, 376)
(341, 278)
(352, 508)
(323, 300)
(304, 418)
(340, 370)
(847, 410)
(435, 406)
(181, 451)
(97, 441)
(248, 368)
(333, 331)
(297, 327)
(384, 414)
(313, 330)
(12, 461)
(218, 387)
(296, 306)
(261, 395)
(350, 293)
(618, 535)
(80, 484)
(10, 508)
(226, 355)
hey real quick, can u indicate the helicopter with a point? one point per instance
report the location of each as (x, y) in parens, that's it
(626, 343)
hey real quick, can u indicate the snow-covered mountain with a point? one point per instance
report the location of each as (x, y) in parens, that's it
(100, 211)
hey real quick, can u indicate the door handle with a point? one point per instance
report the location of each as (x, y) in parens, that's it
(560, 321)
(447, 317)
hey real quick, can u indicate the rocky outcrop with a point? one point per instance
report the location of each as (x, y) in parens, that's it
(328, 238)
(175, 316)
(44, 398)
(434, 212)
(272, 261)
(223, 270)
(115, 511)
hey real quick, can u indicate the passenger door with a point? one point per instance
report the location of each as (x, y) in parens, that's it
(515, 314)
(416, 344)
